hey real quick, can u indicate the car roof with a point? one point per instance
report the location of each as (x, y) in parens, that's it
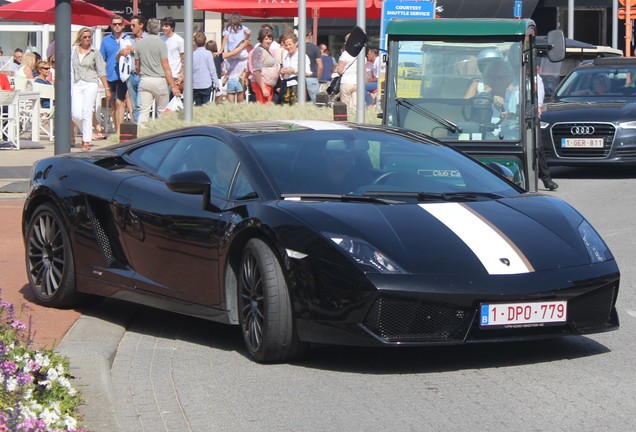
(260, 127)
(614, 61)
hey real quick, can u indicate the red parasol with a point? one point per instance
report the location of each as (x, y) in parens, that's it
(43, 12)
(289, 8)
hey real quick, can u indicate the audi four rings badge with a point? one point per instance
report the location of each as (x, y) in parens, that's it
(582, 130)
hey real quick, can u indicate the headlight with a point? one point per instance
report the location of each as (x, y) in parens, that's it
(628, 125)
(365, 254)
(544, 125)
(596, 247)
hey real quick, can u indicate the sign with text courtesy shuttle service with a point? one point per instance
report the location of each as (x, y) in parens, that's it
(404, 9)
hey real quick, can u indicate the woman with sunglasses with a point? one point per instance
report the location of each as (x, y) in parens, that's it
(88, 69)
(43, 69)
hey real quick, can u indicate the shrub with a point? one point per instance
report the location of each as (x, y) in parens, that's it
(35, 391)
(245, 112)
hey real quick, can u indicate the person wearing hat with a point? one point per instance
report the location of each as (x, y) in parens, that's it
(485, 56)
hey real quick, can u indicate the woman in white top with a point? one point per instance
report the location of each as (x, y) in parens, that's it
(88, 69)
(289, 71)
(348, 83)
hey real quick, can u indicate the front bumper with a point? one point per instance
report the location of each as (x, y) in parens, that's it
(400, 312)
(619, 145)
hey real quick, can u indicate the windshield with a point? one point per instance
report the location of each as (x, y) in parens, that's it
(594, 82)
(472, 85)
(358, 163)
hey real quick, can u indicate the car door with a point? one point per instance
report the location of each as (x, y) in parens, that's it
(171, 241)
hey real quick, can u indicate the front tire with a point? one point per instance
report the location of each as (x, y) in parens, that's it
(265, 312)
(49, 259)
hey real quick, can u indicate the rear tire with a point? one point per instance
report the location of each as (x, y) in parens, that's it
(265, 312)
(50, 262)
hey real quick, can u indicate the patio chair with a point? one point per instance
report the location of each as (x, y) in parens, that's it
(9, 120)
(46, 114)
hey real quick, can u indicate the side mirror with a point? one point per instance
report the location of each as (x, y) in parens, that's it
(194, 182)
(356, 42)
(556, 46)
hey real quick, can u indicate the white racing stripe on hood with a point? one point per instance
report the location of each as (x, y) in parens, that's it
(490, 245)
(318, 124)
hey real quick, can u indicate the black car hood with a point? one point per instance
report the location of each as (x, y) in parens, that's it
(588, 111)
(507, 236)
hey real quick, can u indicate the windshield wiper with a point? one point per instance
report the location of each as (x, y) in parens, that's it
(336, 197)
(434, 196)
(450, 126)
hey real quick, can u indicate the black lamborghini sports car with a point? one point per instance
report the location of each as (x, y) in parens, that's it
(315, 232)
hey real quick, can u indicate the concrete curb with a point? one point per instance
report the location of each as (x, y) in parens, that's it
(91, 346)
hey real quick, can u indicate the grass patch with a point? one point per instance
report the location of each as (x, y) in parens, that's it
(245, 112)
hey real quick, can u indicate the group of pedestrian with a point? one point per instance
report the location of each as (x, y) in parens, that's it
(142, 70)
(136, 71)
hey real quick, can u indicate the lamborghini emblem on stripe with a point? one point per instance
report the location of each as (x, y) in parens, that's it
(484, 239)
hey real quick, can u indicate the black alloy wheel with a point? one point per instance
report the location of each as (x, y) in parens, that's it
(49, 258)
(265, 308)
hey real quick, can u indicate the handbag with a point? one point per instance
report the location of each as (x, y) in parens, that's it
(126, 63)
(334, 85)
(289, 90)
(175, 104)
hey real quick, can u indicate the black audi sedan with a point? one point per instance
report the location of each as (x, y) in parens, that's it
(591, 118)
(306, 232)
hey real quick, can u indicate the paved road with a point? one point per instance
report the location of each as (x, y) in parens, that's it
(177, 373)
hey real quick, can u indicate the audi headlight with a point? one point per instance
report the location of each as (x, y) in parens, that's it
(596, 247)
(544, 125)
(365, 254)
(628, 125)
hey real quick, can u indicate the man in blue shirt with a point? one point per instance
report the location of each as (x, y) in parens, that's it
(328, 68)
(204, 76)
(111, 49)
(315, 64)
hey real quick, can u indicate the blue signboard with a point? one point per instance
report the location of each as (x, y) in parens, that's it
(404, 9)
(517, 9)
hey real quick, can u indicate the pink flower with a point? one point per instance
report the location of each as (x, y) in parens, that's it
(18, 325)
(8, 367)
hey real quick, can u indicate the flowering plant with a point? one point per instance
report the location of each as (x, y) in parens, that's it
(35, 392)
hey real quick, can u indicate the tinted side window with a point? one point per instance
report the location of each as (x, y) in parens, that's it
(150, 156)
(213, 157)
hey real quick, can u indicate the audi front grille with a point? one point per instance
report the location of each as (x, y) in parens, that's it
(561, 131)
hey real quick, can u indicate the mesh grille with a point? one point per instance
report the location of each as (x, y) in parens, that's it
(101, 237)
(399, 320)
(105, 234)
(593, 310)
(601, 130)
